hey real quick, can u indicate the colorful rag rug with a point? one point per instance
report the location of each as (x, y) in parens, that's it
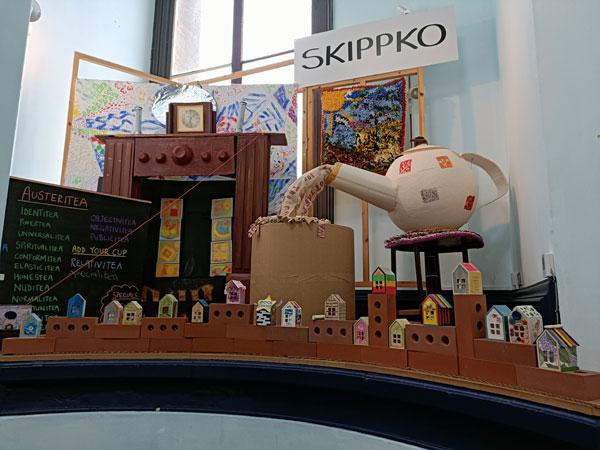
(364, 126)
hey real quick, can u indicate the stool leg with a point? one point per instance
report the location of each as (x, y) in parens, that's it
(393, 251)
(465, 255)
(432, 273)
(420, 292)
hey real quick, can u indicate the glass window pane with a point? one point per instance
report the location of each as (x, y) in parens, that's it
(203, 34)
(205, 75)
(275, 76)
(270, 26)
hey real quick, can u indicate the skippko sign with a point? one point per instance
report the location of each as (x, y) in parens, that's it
(403, 42)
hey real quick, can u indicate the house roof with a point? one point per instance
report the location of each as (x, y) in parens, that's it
(364, 319)
(235, 283)
(503, 310)
(439, 300)
(115, 304)
(383, 270)
(336, 298)
(133, 304)
(202, 302)
(399, 323)
(561, 336)
(292, 304)
(77, 298)
(468, 267)
(527, 311)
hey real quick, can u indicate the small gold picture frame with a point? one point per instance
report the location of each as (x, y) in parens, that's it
(191, 117)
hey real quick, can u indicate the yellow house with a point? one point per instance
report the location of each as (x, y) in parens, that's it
(435, 310)
(397, 328)
(132, 313)
(167, 307)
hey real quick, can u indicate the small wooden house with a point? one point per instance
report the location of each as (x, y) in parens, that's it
(397, 332)
(496, 322)
(361, 331)
(291, 314)
(76, 306)
(466, 280)
(556, 349)
(436, 310)
(13, 316)
(235, 292)
(113, 313)
(132, 313)
(524, 324)
(265, 312)
(200, 311)
(31, 327)
(383, 281)
(335, 307)
(167, 307)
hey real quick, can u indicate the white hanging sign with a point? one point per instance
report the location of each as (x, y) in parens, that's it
(403, 42)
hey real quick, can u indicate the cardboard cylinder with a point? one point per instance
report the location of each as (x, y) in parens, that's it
(293, 261)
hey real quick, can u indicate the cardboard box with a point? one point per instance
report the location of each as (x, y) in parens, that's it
(295, 349)
(95, 345)
(288, 334)
(508, 352)
(163, 328)
(205, 330)
(212, 345)
(181, 345)
(469, 317)
(581, 385)
(292, 261)
(382, 312)
(251, 332)
(339, 352)
(331, 331)
(253, 347)
(231, 313)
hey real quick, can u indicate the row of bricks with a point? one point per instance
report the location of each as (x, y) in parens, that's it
(577, 385)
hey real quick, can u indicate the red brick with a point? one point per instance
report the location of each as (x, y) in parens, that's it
(212, 345)
(381, 356)
(71, 326)
(508, 352)
(94, 345)
(469, 317)
(382, 312)
(247, 346)
(181, 345)
(224, 313)
(339, 352)
(431, 339)
(295, 349)
(581, 385)
(497, 372)
(288, 334)
(116, 331)
(433, 362)
(252, 332)
(28, 346)
(163, 328)
(205, 330)
(331, 331)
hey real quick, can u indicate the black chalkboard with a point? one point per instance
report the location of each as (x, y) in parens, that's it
(50, 230)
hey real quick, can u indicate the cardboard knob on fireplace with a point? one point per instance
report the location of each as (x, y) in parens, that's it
(205, 156)
(182, 155)
(144, 157)
(223, 156)
(161, 158)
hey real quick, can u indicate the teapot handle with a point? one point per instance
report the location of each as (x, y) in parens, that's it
(492, 169)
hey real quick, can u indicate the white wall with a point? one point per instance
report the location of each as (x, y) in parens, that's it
(464, 113)
(566, 40)
(14, 20)
(116, 30)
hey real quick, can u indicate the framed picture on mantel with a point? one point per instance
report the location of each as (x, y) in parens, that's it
(190, 117)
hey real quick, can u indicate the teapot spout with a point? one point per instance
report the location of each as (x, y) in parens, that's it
(368, 186)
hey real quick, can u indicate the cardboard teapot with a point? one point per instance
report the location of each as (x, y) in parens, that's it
(427, 187)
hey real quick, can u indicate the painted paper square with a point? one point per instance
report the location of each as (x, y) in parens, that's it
(220, 252)
(469, 202)
(171, 207)
(429, 195)
(221, 207)
(220, 269)
(444, 162)
(221, 229)
(170, 228)
(405, 166)
(165, 270)
(168, 251)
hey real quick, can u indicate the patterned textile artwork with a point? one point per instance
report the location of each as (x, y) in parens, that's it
(269, 108)
(364, 126)
(104, 107)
